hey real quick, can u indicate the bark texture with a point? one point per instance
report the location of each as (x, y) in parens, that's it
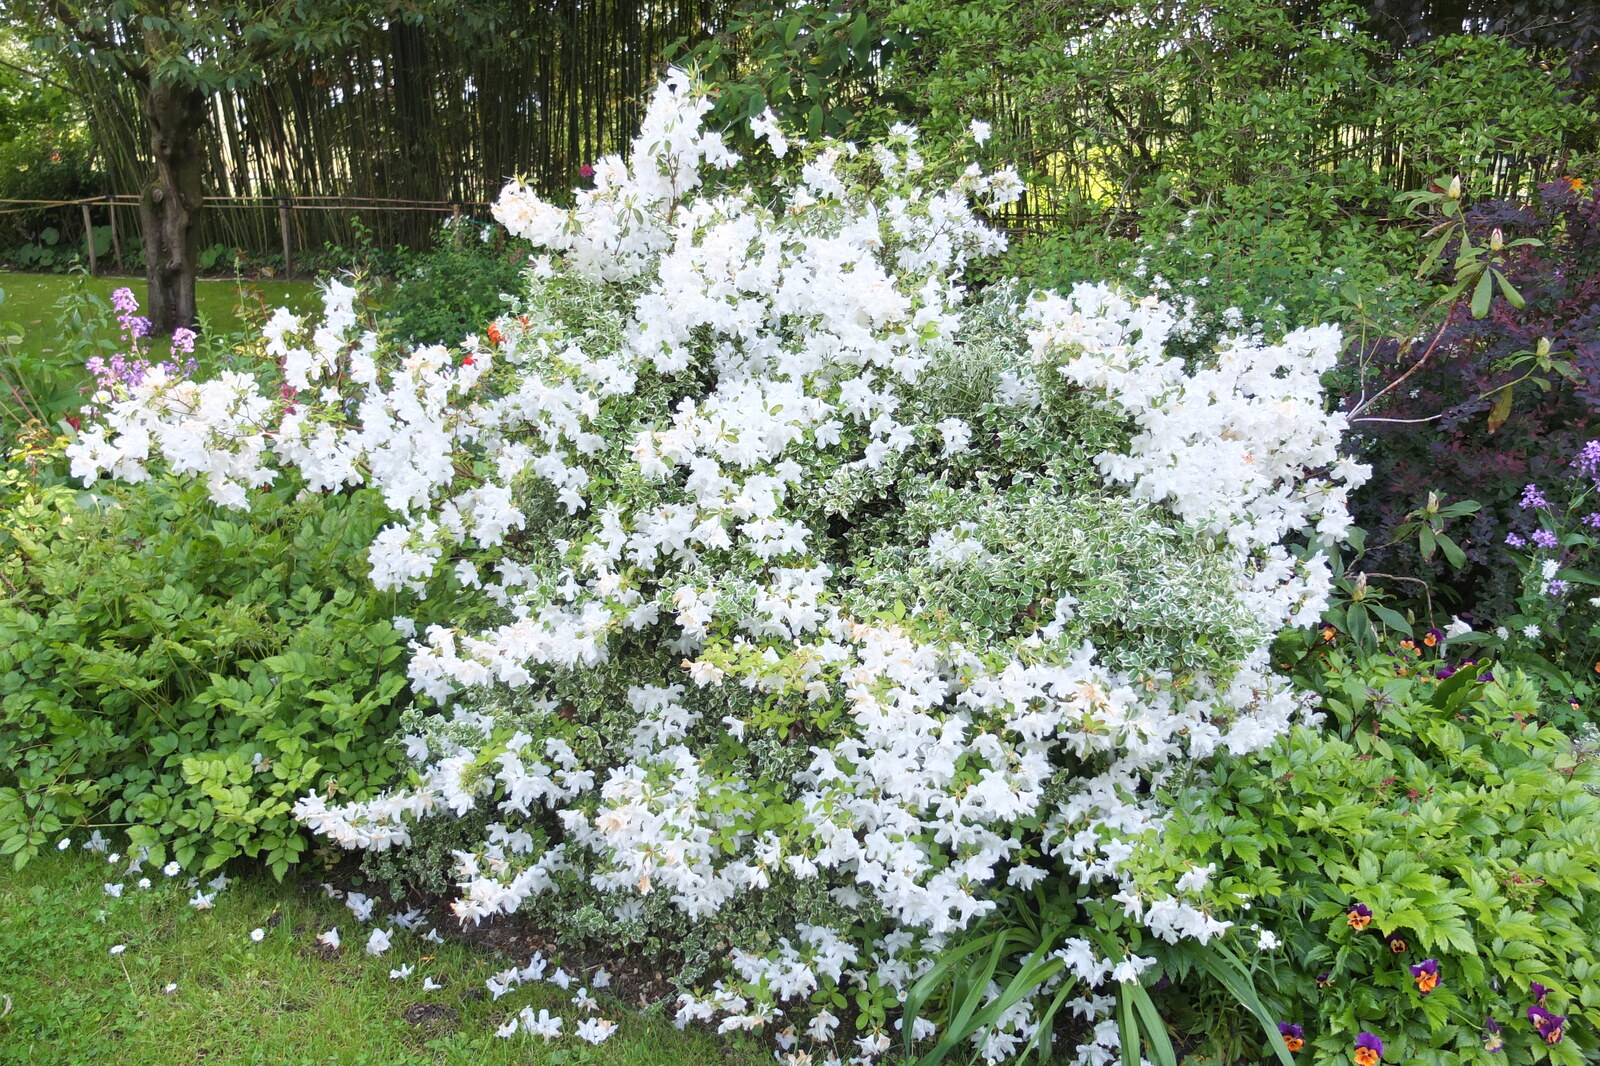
(169, 209)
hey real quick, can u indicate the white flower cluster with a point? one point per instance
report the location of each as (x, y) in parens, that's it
(678, 457)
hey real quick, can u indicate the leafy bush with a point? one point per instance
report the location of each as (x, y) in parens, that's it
(1450, 810)
(823, 602)
(1473, 422)
(189, 673)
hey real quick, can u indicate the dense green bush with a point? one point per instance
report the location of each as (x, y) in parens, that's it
(187, 671)
(1468, 827)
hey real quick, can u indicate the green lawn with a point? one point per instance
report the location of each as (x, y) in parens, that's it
(280, 1001)
(51, 324)
(30, 302)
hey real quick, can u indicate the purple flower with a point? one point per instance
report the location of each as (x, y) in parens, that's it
(1516, 541)
(1538, 992)
(1426, 974)
(1294, 1037)
(1369, 1049)
(1532, 497)
(1592, 520)
(1549, 1026)
(1544, 538)
(1588, 460)
(183, 340)
(1494, 1041)
(1359, 916)
(1445, 672)
(124, 301)
(1556, 589)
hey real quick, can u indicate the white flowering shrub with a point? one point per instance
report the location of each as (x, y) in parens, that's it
(818, 579)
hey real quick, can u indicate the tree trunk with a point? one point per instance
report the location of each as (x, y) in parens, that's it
(169, 210)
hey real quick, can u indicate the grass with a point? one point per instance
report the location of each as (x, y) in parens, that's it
(51, 324)
(30, 301)
(280, 1001)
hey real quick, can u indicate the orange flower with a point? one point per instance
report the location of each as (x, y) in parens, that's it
(495, 336)
(1359, 917)
(1575, 184)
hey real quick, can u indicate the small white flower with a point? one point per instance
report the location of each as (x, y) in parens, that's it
(561, 979)
(114, 891)
(596, 1030)
(118, 949)
(96, 842)
(171, 869)
(1531, 632)
(258, 935)
(402, 973)
(432, 936)
(219, 882)
(330, 938)
(378, 942)
(1502, 632)
(171, 987)
(203, 902)
(144, 882)
(506, 1030)
(584, 1001)
(541, 1024)
(66, 842)
(114, 858)
(430, 985)
(980, 130)
(602, 978)
(1268, 940)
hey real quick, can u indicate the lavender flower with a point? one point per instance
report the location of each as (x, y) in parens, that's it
(1592, 520)
(1544, 538)
(1588, 459)
(1532, 497)
(183, 340)
(1556, 589)
(1516, 541)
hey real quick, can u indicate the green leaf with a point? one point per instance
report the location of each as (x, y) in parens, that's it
(1480, 295)
(1452, 552)
(1513, 297)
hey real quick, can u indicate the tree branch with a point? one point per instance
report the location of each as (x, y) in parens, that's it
(40, 77)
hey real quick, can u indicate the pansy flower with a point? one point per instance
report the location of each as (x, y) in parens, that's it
(1538, 992)
(1444, 672)
(1324, 980)
(1328, 633)
(1397, 943)
(1432, 637)
(1369, 1049)
(1294, 1037)
(1426, 974)
(1549, 1025)
(1359, 917)
(1493, 1041)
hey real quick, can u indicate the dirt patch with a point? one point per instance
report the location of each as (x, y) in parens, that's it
(432, 1017)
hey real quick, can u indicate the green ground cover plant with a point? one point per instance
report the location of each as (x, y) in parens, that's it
(1423, 865)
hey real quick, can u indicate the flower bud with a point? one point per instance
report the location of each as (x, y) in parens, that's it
(1497, 240)
(1544, 347)
(1454, 191)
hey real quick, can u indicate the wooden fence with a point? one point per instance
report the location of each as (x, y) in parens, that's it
(127, 205)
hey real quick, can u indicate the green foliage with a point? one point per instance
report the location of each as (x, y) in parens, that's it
(185, 672)
(1468, 826)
